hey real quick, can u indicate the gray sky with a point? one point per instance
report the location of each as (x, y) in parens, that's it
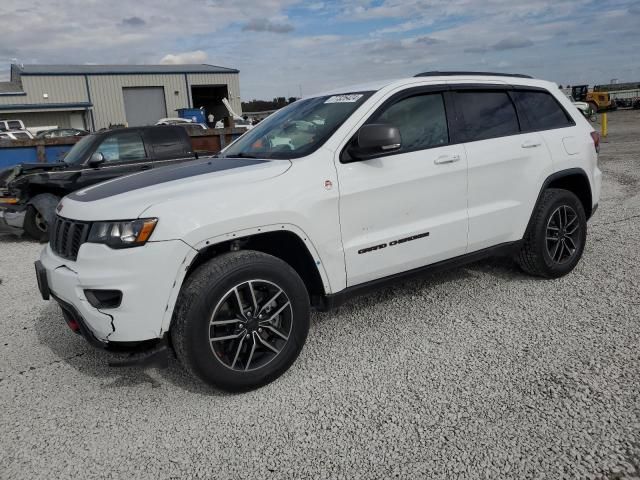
(282, 46)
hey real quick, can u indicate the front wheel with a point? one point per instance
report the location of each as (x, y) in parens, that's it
(35, 225)
(556, 237)
(241, 320)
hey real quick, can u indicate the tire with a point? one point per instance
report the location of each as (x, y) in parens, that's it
(35, 225)
(594, 107)
(212, 294)
(556, 236)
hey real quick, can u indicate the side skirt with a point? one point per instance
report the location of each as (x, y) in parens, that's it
(329, 302)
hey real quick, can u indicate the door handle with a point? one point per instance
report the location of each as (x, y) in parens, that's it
(446, 159)
(530, 144)
(145, 167)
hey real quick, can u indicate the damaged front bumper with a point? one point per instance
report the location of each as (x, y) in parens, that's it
(145, 277)
(12, 219)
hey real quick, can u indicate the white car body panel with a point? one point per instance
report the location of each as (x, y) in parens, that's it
(483, 199)
(504, 178)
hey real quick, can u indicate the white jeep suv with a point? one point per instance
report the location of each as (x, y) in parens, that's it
(223, 257)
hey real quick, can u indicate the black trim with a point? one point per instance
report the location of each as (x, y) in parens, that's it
(158, 176)
(461, 73)
(13, 94)
(335, 300)
(556, 176)
(70, 312)
(43, 283)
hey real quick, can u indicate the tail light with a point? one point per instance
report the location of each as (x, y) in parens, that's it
(596, 140)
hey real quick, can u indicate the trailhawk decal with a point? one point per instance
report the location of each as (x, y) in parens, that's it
(158, 176)
(393, 243)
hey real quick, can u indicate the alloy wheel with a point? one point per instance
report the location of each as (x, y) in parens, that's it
(40, 222)
(563, 234)
(250, 325)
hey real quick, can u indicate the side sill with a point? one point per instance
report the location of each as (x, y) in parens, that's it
(332, 301)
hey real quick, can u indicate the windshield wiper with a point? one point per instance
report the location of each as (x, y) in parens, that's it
(240, 155)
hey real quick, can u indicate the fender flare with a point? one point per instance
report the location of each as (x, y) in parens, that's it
(203, 244)
(553, 177)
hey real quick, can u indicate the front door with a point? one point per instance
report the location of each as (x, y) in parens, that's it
(124, 153)
(408, 208)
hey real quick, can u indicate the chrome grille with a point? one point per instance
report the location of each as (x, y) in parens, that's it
(66, 236)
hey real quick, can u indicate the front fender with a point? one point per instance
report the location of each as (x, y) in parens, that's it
(238, 235)
(45, 203)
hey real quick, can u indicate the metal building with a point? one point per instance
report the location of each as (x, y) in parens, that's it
(99, 96)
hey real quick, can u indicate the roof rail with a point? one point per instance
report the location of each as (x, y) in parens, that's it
(485, 74)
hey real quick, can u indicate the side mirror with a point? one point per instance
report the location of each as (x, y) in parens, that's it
(96, 159)
(375, 139)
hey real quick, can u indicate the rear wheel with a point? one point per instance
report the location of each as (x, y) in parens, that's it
(556, 237)
(241, 320)
(35, 225)
(594, 107)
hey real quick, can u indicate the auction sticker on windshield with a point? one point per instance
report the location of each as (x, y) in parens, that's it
(351, 98)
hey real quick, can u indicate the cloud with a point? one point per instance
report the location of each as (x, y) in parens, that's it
(476, 50)
(197, 56)
(133, 22)
(334, 43)
(425, 40)
(573, 43)
(265, 25)
(511, 43)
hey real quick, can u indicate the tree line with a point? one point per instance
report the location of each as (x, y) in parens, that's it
(262, 105)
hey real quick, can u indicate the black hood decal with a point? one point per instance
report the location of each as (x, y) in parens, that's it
(158, 176)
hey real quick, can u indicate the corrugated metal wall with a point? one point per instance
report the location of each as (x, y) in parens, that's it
(40, 119)
(108, 102)
(106, 92)
(231, 80)
(60, 89)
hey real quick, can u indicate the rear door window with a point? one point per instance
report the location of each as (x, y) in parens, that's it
(485, 114)
(166, 142)
(540, 111)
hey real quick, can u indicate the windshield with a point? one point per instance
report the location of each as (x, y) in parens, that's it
(77, 154)
(298, 129)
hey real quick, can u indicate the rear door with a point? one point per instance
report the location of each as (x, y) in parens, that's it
(124, 153)
(407, 208)
(167, 145)
(541, 112)
(505, 164)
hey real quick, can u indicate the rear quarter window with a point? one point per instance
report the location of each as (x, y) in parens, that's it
(540, 111)
(485, 114)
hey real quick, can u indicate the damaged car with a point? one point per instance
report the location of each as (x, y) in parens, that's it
(29, 192)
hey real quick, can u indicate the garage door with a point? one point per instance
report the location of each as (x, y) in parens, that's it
(144, 105)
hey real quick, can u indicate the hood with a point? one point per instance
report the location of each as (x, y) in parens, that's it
(127, 197)
(7, 175)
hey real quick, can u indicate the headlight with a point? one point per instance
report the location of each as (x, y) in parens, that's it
(124, 234)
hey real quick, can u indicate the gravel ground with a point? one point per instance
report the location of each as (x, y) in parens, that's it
(480, 372)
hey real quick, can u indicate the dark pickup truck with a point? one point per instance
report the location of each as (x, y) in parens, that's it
(29, 192)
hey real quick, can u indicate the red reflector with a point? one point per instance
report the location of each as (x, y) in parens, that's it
(596, 140)
(73, 325)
